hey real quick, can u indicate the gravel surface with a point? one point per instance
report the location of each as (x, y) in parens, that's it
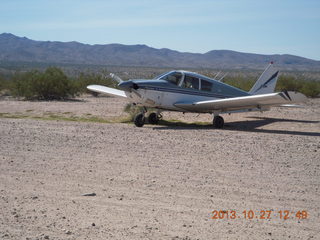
(80, 180)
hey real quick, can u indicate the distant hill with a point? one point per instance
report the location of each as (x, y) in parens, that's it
(22, 49)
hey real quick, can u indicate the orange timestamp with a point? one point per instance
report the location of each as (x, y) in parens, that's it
(261, 214)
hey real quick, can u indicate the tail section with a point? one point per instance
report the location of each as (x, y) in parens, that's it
(266, 82)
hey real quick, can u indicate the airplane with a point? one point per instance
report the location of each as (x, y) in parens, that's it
(185, 91)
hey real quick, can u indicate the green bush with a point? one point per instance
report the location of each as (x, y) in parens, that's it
(291, 83)
(132, 110)
(242, 82)
(54, 84)
(4, 85)
(311, 89)
(85, 79)
(49, 85)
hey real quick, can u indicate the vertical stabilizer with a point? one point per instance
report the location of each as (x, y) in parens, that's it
(266, 82)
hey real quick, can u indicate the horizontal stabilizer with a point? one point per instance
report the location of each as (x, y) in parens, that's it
(106, 90)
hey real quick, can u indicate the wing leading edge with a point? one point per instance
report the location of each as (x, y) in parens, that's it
(106, 90)
(261, 101)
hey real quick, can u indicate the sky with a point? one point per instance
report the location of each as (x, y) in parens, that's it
(254, 26)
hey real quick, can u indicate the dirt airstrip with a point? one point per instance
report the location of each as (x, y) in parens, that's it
(262, 172)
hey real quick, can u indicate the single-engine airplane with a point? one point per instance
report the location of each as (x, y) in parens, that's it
(185, 91)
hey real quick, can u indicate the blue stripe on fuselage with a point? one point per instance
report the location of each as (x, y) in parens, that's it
(185, 91)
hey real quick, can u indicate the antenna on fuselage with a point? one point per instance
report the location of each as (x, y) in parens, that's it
(220, 80)
(215, 77)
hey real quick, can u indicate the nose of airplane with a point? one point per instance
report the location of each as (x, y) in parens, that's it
(128, 85)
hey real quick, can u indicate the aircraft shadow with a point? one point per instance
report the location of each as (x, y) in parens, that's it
(246, 126)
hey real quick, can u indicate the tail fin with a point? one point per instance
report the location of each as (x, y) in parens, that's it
(266, 82)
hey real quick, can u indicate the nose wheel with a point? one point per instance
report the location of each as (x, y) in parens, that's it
(218, 122)
(139, 120)
(153, 118)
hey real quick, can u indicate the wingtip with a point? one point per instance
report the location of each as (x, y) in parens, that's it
(90, 87)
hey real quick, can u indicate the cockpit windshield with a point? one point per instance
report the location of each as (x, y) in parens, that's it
(173, 77)
(191, 82)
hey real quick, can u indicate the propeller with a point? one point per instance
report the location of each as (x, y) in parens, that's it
(115, 77)
(127, 86)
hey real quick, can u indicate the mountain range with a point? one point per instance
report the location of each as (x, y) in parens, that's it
(22, 49)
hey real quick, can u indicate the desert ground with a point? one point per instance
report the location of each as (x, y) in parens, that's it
(157, 182)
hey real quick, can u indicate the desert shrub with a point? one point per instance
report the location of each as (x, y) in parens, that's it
(289, 83)
(22, 84)
(2, 83)
(85, 79)
(4, 86)
(311, 89)
(48, 85)
(292, 83)
(132, 110)
(242, 82)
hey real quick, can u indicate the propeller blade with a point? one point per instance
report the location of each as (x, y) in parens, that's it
(115, 77)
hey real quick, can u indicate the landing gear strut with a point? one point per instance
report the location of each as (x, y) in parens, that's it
(218, 122)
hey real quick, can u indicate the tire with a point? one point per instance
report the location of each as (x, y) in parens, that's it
(139, 120)
(218, 122)
(153, 118)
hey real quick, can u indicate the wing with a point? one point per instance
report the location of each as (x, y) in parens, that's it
(254, 102)
(106, 90)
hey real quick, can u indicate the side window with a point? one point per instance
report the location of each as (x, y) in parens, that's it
(173, 77)
(191, 82)
(206, 86)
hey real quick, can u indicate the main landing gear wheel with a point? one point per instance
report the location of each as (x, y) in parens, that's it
(218, 122)
(153, 118)
(139, 120)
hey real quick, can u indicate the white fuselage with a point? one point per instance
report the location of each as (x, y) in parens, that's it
(162, 99)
